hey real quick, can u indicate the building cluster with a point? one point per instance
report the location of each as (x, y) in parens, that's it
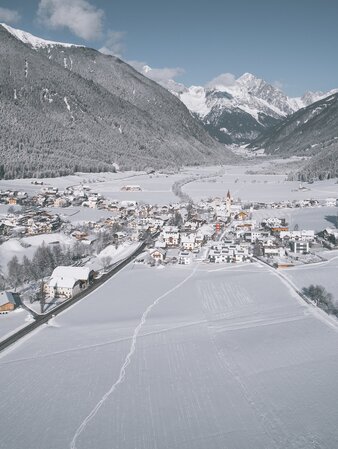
(29, 222)
(217, 230)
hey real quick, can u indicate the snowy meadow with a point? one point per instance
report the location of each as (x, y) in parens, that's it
(177, 358)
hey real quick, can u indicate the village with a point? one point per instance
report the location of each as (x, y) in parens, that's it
(220, 230)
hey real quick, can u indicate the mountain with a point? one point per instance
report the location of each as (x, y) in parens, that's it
(243, 109)
(311, 132)
(66, 108)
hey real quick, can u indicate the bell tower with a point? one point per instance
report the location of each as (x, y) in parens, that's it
(228, 202)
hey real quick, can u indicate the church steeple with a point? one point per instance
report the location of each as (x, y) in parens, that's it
(228, 202)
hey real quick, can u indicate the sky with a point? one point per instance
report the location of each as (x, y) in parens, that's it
(292, 44)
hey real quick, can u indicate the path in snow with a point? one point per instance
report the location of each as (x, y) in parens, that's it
(127, 360)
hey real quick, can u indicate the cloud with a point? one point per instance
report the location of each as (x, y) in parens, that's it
(278, 84)
(223, 80)
(79, 16)
(160, 75)
(114, 44)
(9, 15)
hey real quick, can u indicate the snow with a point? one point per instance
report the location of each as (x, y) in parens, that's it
(28, 245)
(264, 182)
(322, 273)
(315, 218)
(67, 104)
(12, 321)
(183, 357)
(195, 100)
(80, 215)
(33, 41)
(115, 254)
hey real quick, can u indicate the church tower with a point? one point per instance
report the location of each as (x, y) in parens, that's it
(228, 202)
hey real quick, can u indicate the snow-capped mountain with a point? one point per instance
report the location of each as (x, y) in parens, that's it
(34, 41)
(241, 110)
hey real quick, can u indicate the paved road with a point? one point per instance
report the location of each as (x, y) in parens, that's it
(42, 319)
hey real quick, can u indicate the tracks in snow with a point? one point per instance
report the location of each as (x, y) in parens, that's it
(127, 360)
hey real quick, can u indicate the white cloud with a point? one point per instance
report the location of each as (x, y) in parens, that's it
(278, 84)
(9, 15)
(223, 80)
(79, 16)
(160, 75)
(114, 44)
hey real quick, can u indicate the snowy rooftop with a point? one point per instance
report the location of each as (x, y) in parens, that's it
(81, 273)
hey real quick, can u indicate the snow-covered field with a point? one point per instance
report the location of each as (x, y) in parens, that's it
(316, 218)
(11, 322)
(258, 187)
(114, 254)
(156, 188)
(323, 273)
(175, 358)
(267, 182)
(28, 245)
(79, 215)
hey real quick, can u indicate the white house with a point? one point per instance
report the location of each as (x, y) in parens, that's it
(330, 202)
(171, 235)
(68, 281)
(299, 247)
(184, 258)
(305, 235)
(188, 241)
(273, 251)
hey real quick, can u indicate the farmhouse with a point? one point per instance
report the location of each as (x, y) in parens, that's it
(68, 281)
(9, 301)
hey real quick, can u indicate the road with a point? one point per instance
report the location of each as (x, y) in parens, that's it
(42, 319)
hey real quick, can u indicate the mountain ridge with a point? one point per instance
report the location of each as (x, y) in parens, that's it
(57, 118)
(241, 110)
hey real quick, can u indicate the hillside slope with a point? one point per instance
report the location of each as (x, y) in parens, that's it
(310, 132)
(54, 120)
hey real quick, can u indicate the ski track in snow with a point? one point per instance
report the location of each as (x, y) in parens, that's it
(127, 360)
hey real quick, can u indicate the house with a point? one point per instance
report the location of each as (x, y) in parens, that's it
(273, 251)
(50, 190)
(229, 252)
(299, 247)
(157, 254)
(12, 200)
(61, 202)
(67, 282)
(9, 301)
(303, 235)
(184, 258)
(171, 235)
(188, 241)
(330, 202)
(241, 216)
(131, 188)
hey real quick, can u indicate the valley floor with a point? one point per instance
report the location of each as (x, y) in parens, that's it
(251, 181)
(177, 358)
